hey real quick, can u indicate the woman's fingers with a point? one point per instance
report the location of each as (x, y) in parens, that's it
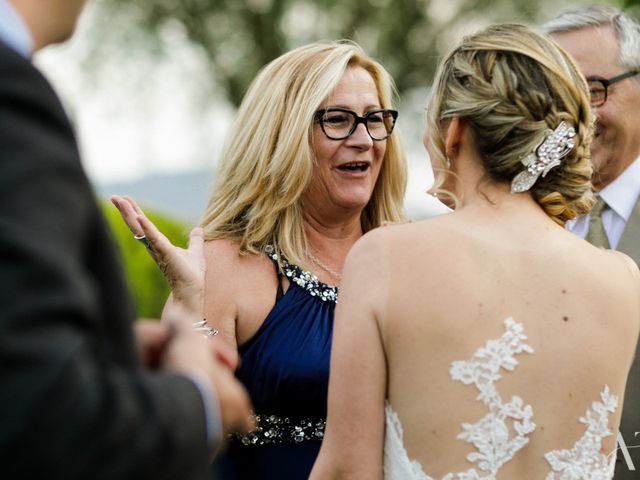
(159, 244)
(134, 205)
(196, 238)
(128, 213)
(184, 269)
(196, 246)
(144, 230)
(181, 267)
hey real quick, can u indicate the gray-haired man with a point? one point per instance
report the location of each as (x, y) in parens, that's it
(605, 43)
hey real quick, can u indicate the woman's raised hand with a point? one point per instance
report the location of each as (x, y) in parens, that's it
(183, 268)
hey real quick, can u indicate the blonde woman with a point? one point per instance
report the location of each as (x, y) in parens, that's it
(313, 162)
(488, 343)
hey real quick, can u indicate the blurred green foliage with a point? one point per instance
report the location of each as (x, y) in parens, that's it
(632, 7)
(238, 37)
(146, 283)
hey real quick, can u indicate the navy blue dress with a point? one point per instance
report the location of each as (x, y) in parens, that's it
(285, 368)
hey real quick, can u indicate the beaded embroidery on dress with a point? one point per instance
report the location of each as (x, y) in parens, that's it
(504, 430)
(305, 279)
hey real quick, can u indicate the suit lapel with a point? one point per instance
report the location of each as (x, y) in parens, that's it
(630, 240)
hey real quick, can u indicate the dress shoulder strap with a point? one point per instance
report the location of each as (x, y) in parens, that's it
(279, 278)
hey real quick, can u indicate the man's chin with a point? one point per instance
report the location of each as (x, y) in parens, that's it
(597, 158)
(600, 177)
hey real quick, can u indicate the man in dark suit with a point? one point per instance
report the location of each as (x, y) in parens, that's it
(605, 43)
(77, 399)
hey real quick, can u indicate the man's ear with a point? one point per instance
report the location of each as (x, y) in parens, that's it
(453, 132)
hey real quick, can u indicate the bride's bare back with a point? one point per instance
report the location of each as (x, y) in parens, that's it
(453, 281)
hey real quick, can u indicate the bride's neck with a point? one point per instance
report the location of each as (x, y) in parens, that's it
(475, 190)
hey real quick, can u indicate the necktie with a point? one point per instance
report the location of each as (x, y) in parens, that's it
(596, 235)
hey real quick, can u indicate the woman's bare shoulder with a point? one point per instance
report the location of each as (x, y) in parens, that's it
(238, 289)
(222, 248)
(225, 260)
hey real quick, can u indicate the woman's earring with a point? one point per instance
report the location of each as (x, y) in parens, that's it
(448, 154)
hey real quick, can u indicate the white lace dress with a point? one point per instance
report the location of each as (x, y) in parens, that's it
(504, 430)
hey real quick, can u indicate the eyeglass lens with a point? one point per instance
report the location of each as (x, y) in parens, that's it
(598, 92)
(339, 124)
(598, 87)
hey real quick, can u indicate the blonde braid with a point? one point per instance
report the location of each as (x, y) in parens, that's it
(511, 85)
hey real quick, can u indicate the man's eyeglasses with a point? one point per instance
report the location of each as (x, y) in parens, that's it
(340, 123)
(599, 87)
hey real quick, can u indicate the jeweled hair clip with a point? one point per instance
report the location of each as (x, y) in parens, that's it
(556, 145)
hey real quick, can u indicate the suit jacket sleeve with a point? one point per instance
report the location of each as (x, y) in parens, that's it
(74, 401)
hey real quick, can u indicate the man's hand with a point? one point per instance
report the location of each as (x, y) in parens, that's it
(152, 339)
(190, 352)
(235, 404)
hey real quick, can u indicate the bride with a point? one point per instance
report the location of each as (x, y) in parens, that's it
(488, 343)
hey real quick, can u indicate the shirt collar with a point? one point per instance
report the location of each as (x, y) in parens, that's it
(621, 194)
(14, 31)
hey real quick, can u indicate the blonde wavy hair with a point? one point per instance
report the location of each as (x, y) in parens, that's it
(268, 161)
(511, 84)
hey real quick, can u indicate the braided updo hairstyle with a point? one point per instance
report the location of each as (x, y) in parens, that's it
(511, 85)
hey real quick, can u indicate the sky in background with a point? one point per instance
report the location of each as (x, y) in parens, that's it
(144, 116)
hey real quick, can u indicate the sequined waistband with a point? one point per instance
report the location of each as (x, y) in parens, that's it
(275, 430)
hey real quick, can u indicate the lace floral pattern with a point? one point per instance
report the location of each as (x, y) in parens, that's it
(397, 465)
(584, 460)
(306, 280)
(504, 430)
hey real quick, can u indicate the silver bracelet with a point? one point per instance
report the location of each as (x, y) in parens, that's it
(203, 326)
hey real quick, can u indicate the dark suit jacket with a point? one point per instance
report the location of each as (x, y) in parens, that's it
(630, 423)
(74, 401)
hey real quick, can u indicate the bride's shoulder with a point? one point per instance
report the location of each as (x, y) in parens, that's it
(619, 277)
(624, 268)
(434, 230)
(399, 245)
(432, 224)
(612, 265)
(626, 262)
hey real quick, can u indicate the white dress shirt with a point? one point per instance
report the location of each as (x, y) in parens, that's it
(13, 31)
(621, 196)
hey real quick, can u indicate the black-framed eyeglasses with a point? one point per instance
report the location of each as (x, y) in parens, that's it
(599, 87)
(340, 123)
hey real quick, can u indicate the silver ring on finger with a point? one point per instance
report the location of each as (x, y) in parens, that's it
(143, 239)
